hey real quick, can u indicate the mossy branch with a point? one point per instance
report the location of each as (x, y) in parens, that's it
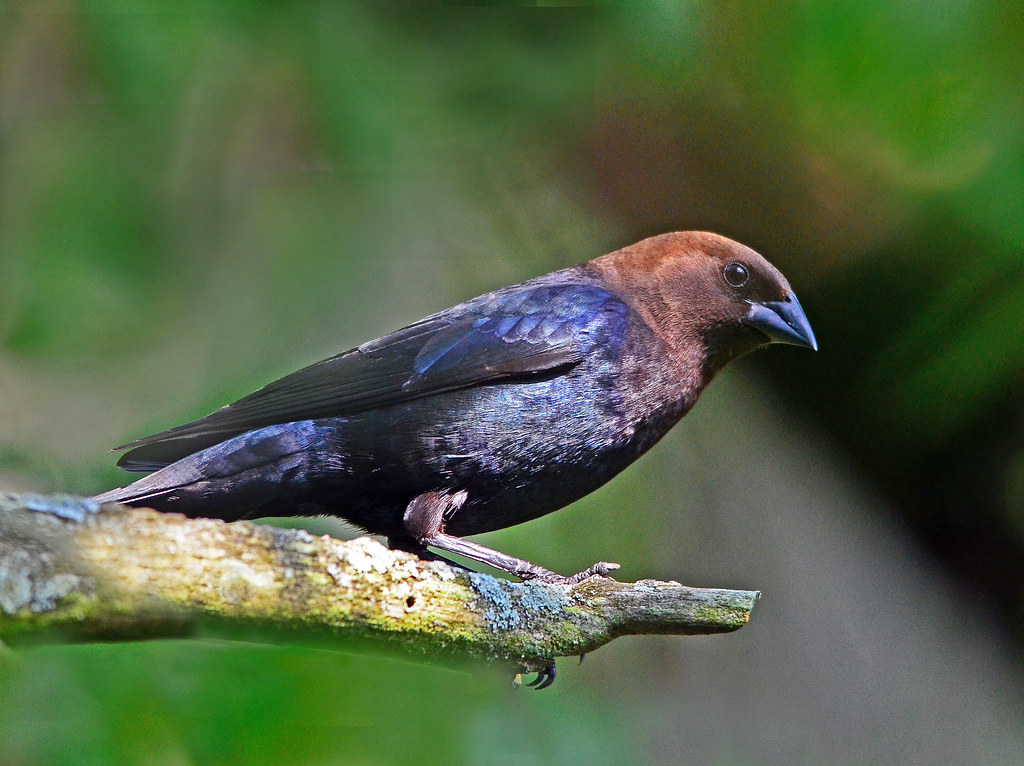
(70, 570)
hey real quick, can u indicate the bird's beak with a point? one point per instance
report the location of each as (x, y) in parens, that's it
(782, 321)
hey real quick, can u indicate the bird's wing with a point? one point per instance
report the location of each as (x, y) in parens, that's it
(518, 331)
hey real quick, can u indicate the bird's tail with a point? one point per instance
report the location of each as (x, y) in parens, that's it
(129, 495)
(173, 489)
(230, 480)
(150, 489)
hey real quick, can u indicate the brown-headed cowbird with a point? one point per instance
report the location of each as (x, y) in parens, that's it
(499, 410)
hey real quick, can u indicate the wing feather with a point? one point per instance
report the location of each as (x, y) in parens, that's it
(513, 332)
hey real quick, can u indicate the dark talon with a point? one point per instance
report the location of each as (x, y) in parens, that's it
(549, 677)
(545, 677)
(539, 574)
(601, 568)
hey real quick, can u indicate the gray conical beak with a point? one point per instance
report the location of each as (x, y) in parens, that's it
(782, 321)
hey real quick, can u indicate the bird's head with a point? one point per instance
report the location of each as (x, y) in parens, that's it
(701, 290)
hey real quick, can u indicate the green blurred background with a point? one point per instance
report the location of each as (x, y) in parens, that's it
(196, 198)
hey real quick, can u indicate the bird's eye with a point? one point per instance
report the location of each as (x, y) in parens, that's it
(736, 274)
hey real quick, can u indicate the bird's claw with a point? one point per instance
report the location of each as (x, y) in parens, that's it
(539, 574)
(601, 568)
(545, 677)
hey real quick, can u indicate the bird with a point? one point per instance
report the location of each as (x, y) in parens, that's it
(496, 411)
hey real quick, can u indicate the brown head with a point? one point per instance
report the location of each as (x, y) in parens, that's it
(706, 295)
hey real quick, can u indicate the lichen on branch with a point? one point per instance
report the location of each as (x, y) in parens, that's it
(72, 570)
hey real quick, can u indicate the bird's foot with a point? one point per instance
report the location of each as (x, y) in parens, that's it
(539, 574)
(424, 522)
(413, 546)
(545, 677)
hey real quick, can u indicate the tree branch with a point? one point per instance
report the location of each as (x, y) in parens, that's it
(73, 571)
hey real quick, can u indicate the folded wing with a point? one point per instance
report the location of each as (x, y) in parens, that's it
(520, 331)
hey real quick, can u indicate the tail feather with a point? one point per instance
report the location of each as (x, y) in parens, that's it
(166, 480)
(129, 495)
(231, 479)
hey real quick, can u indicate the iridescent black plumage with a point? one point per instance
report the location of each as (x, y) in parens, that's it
(496, 411)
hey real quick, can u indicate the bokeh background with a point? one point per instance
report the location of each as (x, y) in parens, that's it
(197, 197)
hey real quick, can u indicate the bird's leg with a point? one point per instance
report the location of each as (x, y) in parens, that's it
(409, 545)
(424, 521)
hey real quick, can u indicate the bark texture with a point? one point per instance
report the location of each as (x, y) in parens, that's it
(72, 570)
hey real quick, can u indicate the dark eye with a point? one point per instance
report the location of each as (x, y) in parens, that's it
(736, 274)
